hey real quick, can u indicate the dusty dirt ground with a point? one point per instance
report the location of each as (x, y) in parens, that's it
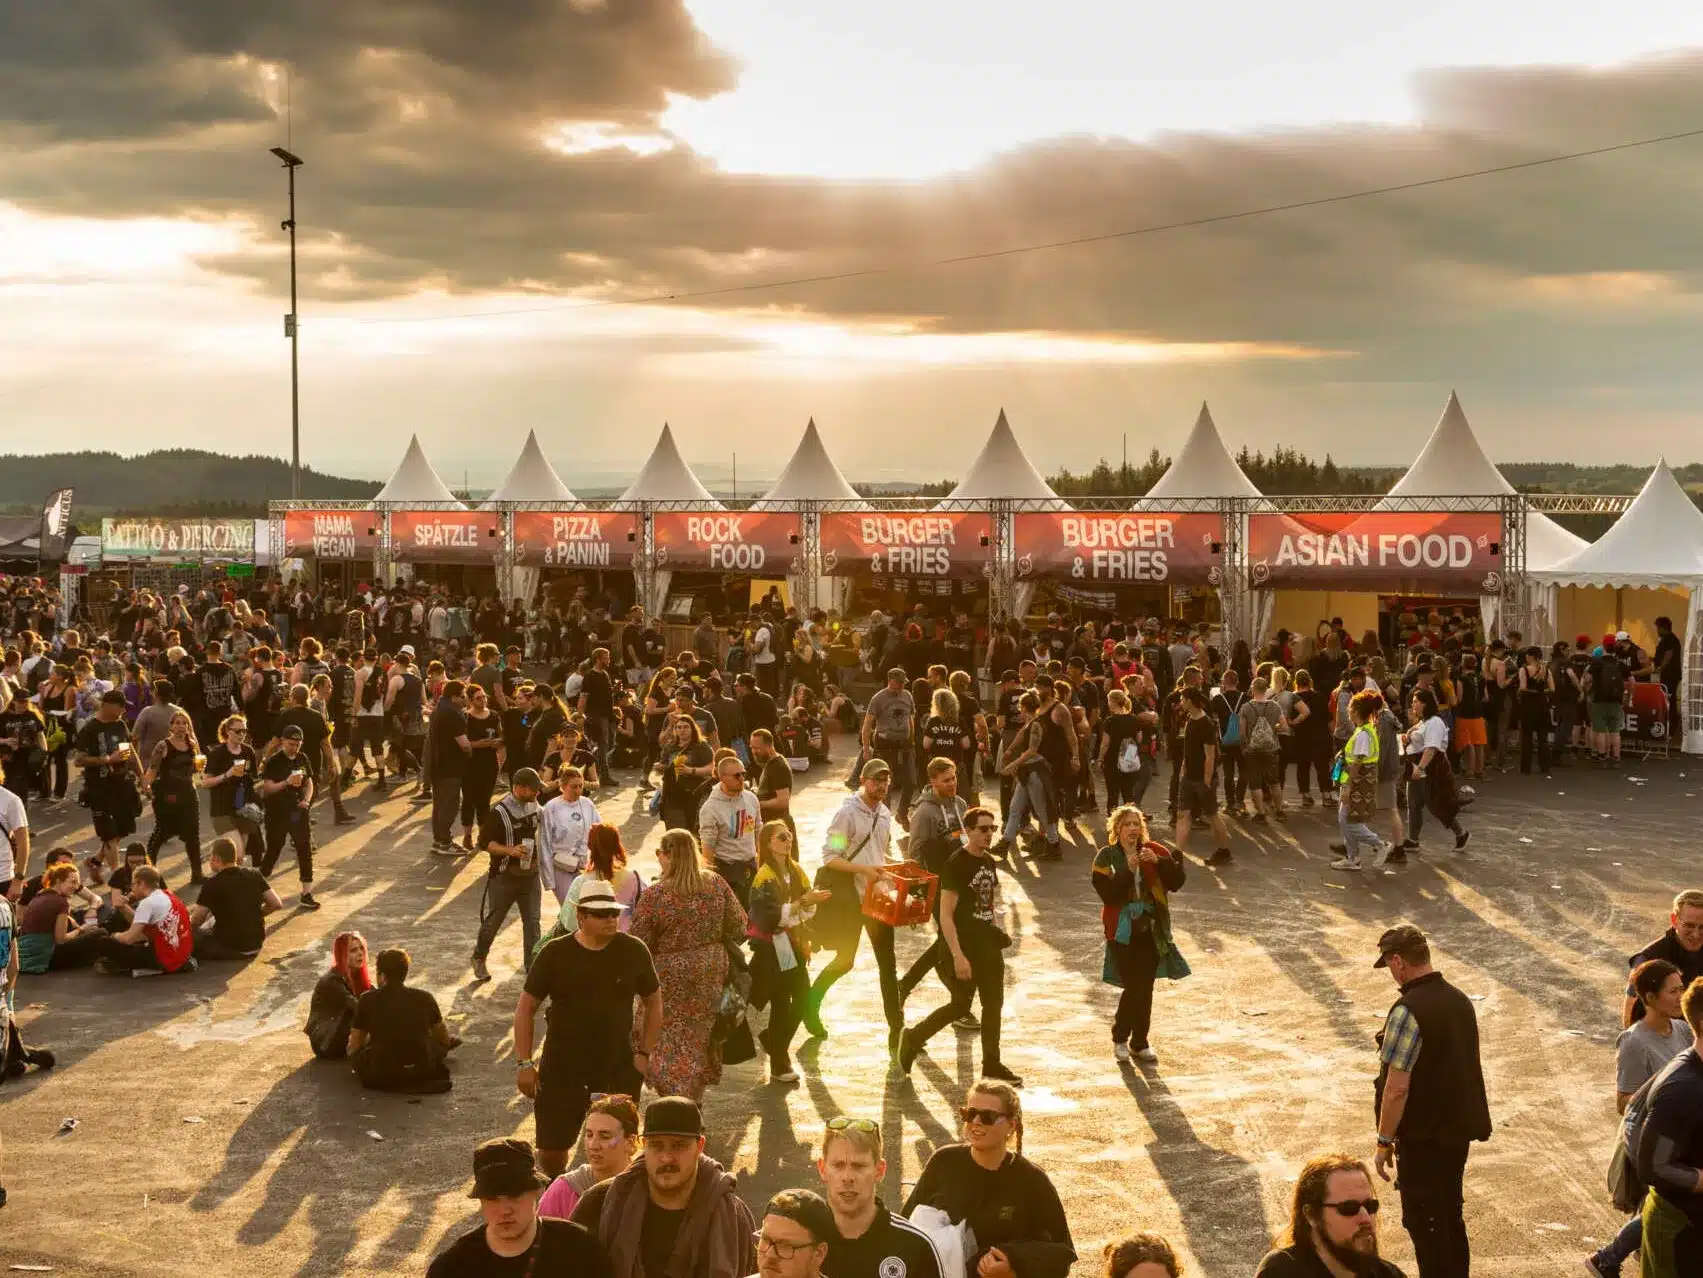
(209, 1137)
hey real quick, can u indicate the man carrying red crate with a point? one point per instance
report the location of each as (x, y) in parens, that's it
(971, 915)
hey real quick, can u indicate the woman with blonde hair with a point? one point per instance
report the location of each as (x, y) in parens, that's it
(782, 903)
(1009, 1203)
(1134, 877)
(173, 772)
(691, 922)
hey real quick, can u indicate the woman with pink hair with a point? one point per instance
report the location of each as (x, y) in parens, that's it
(331, 1014)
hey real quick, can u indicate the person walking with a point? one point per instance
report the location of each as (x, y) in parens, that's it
(856, 852)
(1431, 1103)
(1536, 686)
(1430, 780)
(973, 941)
(1333, 1225)
(591, 980)
(1670, 1159)
(727, 827)
(1225, 706)
(1134, 877)
(514, 1237)
(564, 833)
(692, 924)
(512, 881)
(1681, 945)
(1197, 799)
(782, 905)
(1357, 791)
(447, 763)
(888, 728)
(870, 1240)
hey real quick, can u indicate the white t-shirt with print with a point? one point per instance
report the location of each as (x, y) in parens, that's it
(12, 819)
(154, 909)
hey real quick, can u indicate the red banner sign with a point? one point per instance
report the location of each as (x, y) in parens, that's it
(1113, 547)
(1377, 550)
(445, 536)
(331, 534)
(892, 543)
(762, 543)
(576, 539)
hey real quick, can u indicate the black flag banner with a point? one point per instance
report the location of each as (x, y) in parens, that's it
(56, 524)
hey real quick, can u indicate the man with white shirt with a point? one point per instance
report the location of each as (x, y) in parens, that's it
(762, 655)
(727, 828)
(563, 825)
(14, 836)
(855, 853)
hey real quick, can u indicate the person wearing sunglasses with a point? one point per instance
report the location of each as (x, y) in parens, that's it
(1333, 1225)
(973, 942)
(793, 1241)
(232, 782)
(1009, 1203)
(727, 828)
(870, 1241)
(782, 904)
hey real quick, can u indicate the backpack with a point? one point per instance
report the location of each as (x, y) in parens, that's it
(1233, 725)
(1263, 739)
(1612, 683)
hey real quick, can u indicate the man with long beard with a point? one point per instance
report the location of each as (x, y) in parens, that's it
(1333, 1225)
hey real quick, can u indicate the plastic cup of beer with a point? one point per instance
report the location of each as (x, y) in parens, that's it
(123, 749)
(200, 763)
(240, 767)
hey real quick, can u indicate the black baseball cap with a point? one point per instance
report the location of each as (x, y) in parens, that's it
(504, 1168)
(1400, 940)
(1008, 676)
(290, 732)
(673, 1116)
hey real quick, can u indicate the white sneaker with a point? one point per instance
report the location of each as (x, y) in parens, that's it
(1121, 1052)
(1385, 847)
(1345, 863)
(1147, 1056)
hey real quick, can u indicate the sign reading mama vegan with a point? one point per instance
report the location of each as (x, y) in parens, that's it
(330, 534)
(177, 538)
(894, 543)
(1377, 550)
(575, 539)
(1119, 546)
(445, 536)
(763, 543)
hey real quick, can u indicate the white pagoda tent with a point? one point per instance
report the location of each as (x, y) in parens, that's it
(812, 475)
(1656, 545)
(531, 478)
(1203, 467)
(1004, 472)
(415, 480)
(664, 477)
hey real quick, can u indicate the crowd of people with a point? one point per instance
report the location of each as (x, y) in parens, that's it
(512, 722)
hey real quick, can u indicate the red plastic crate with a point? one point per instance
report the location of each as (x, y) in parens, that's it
(904, 897)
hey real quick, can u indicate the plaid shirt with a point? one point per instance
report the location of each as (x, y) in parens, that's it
(1400, 1046)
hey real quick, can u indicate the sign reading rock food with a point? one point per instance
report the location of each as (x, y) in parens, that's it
(331, 534)
(445, 536)
(891, 543)
(177, 538)
(1377, 550)
(760, 542)
(1121, 547)
(576, 539)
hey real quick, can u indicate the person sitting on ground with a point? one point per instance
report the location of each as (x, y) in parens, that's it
(1009, 1203)
(399, 1042)
(118, 886)
(331, 1014)
(675, 1181)
(611, 1133)
(1333, 1225)
(516, 1238)
(49, 935)
(82, 900)
(237, 899)
(159, 937)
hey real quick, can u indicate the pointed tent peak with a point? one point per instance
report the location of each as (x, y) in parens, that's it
(414, 479)
(1657, 542)
(810, 475)
(531, 478)
(1203, 467)
(1003, 470)
(666, 477)
(1452, 463)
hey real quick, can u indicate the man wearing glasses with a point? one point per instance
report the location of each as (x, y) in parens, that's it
(1333, 1225)
(872, 1242)
(641, 1216)
(727, 828)
(797, 1226)
(1681, 945)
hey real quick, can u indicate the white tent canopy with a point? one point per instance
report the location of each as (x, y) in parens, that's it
(1657, 542)
(1203, 467)
(666, 477)
(1003, 471)
(415, 480)
(811, 475)
(531, 478)
(1452, 464)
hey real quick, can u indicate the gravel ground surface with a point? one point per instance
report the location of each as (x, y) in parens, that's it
(209, 1137)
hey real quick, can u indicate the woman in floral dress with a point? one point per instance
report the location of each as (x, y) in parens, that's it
(688, 919)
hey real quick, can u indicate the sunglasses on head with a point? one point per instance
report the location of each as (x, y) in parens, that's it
(844, 1124)
(614, 1096)
(986, 1117)
(1351, 1207)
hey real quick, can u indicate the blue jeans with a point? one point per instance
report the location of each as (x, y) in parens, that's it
(1354, 832)
(1031, 795)
(1622, 1245)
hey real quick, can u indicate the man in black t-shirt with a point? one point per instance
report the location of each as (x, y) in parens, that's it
(399, 1041)
(597, 703)
(448, 761)
(514, 1239)
(107, 756)
(316, 748)
(774, 779)
(1196, 797)
(286, 791)
(756, 707)
(238, 900)
(589, 978)
(973, 959)
(214, 695)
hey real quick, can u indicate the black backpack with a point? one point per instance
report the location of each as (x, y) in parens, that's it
(1611, 679)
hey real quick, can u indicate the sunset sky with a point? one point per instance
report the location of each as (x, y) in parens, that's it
(490, 183)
